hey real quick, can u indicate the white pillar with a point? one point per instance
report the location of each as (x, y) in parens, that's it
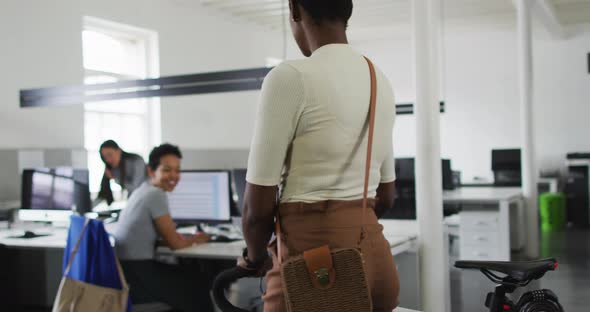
(434, 266)
(529, 163)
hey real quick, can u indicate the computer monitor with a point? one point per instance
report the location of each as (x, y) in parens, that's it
(506, 159)
(201, 196)
(405, 172)
(52, 194)
(506, 165)
(447, 175)
(405, 183)
(404, 169)
(239, 188)
(405, 202)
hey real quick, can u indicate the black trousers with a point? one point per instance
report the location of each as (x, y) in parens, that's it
(153, 281)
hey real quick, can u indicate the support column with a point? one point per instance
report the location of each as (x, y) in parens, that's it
(434, 264)
(529, 162)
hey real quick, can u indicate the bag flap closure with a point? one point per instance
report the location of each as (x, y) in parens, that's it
(320, 266)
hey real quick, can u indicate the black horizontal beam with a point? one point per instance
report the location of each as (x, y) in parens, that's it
(215, 82)
(408, 108)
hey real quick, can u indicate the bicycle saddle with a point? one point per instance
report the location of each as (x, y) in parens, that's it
(520, 271)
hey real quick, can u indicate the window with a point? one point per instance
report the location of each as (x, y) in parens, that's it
(113, 52)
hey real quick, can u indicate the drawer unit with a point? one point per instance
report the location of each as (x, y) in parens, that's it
(473, 238)
(479, 237)
(478, 253)
(479, 221)
(491, 221)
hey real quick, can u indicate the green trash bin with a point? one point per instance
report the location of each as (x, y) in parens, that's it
(552, 211)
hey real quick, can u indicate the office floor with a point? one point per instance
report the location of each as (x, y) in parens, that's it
(570, 282)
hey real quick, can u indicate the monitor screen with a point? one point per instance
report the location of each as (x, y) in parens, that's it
(405, 172)
(201, 196)
(46, 192)
(404, 169)
(447, 175)
(404, 206)
(506, 159)
(55, 189)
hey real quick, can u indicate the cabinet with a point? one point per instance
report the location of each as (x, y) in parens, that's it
(490, 223)
(577, 192)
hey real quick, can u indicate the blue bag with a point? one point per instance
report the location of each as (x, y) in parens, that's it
(94, 262)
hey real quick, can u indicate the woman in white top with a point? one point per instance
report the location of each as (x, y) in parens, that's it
(310, 138)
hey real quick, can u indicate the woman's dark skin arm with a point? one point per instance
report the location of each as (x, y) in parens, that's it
(260, 203)
(385, 198)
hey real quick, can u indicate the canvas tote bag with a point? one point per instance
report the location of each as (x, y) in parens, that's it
(330, 280)
(78, 296)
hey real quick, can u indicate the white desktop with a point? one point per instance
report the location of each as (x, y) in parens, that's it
(53, 194)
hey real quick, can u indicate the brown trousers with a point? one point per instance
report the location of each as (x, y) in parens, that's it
(338, 224)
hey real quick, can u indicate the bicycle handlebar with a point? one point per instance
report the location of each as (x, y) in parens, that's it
(223, 281)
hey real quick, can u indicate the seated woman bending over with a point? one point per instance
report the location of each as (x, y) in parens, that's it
(146, 217)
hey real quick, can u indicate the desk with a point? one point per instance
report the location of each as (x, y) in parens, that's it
(491, 221)
(222, 251)
(230, 251)
(56, 238)
(401, 234)
(31, 267)
(403, 238)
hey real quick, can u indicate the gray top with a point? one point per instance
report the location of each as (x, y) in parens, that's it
(135, 173)
(136, 233)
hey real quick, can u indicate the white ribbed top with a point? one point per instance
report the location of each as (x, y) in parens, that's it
(311, 115)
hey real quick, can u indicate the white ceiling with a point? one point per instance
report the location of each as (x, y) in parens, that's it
(571, 12)
(371, 15)
(367, 13)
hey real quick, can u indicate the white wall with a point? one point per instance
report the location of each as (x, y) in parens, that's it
(562, 96)
(40, 46)
(195, 39)
(210, 121)
(480, 88)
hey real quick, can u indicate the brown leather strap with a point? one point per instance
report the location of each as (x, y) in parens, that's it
(371, 130)
(372, 108)
(121, 274)
(320, 266)
(279, 237)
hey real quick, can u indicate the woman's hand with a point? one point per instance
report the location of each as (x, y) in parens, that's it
(167, 230)
(259, 268)
(200, 238)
